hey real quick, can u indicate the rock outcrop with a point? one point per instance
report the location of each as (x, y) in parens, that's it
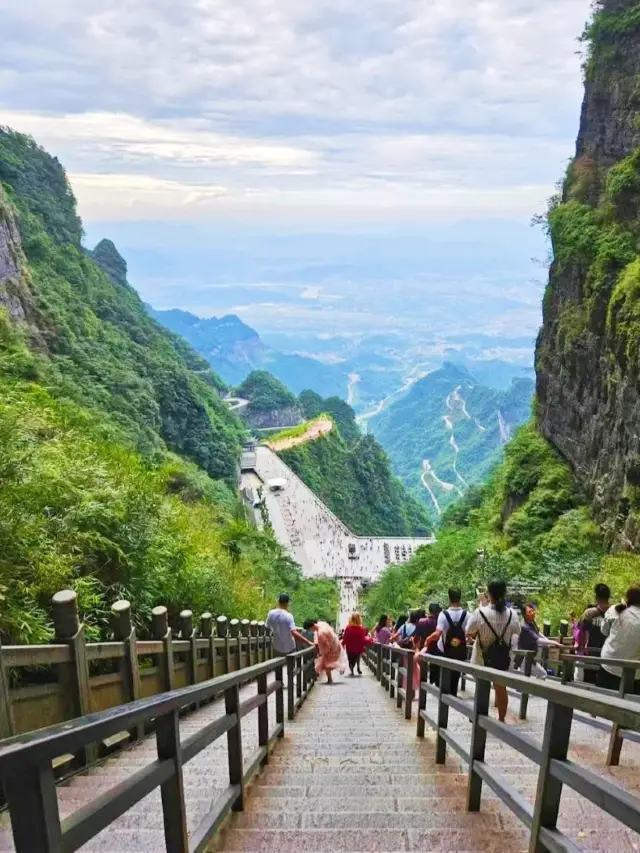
(588, 351)
(10, 270)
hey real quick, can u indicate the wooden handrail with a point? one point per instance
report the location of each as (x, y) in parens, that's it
(28, 779)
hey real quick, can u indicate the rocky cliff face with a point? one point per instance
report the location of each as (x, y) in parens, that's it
(10, 273)
(588, 351)
(288, 416)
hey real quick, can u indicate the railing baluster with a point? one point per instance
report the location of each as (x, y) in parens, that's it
(291, 699)
(392, 682)
(234, 745)
(379, 662)
(443, 714)
(6, 719)
(280, 699)
(524, 697)
(422, 695)
(555, 744)
(172, 791)
(263, 718)
(478, 742)
(299, 667)
(615, 741)
(33, 803)
(409, 686)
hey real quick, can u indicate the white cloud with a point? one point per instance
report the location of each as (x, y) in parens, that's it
(329, 108)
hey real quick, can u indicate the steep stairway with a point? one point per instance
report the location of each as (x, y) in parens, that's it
(141, 828)
(351, 776)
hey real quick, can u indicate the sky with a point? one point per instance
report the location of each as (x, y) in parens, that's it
(248, 122)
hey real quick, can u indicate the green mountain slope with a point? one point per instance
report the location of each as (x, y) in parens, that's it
(103, 350)
(117, 455)
(448, 432)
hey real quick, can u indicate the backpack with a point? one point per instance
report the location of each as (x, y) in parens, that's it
(455, 644)
(497, 655)
(404, 636)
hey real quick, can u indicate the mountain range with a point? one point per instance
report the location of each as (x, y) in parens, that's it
(234, 349)
(447, 432)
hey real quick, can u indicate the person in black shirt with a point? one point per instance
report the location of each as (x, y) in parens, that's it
(591, 636)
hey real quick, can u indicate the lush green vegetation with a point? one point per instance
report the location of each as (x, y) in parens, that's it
(356, 483)
(266, 393)
(117, 455)
(104, 351)
(532, 526)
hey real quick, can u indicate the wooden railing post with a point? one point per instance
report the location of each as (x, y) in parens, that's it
(234, 746)
(524, 697)
(379, 662)
(172, 791)
(161, 631)
(253, 642)
(124, 631)
(555, 745)
(6, 718)
(262, 642)
(291, 699)
(263, 718)
(76, 674)
(443, 714)
(222, 629)
(544, 652)
(186, 633)
(568, 670)
(615, 741)
(478, 742)
(245, 628)
(234, 633)
(392, 689)
(206, 633)
(33, 802)
(422, 695)
(409, 686)
(279, 675)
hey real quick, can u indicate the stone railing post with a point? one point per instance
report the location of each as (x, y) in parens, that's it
(206, 633)
(74, 678)
(234, 633)
(253, 642)
(187, 633)
(124, 631)
(161, 631)
(245, 627)
(222, 629)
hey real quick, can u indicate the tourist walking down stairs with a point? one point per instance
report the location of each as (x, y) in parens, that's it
(283, 627)
(531, 640)
(382, 632)
(331, 655)
(495, 628)
(451, 634)
(355, 640)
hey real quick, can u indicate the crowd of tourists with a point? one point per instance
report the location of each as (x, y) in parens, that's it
(495, 629)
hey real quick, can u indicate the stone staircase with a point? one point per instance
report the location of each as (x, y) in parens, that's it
(352, 776)
(141, 828)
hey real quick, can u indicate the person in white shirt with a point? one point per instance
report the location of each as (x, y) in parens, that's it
(621, 627)
(451, 633)
(496, 629)
(283, 627)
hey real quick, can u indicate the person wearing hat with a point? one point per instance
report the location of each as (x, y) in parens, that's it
(283, 628)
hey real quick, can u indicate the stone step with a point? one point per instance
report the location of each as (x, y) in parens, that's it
(374, 840)
(413, 778)
(428, 818)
